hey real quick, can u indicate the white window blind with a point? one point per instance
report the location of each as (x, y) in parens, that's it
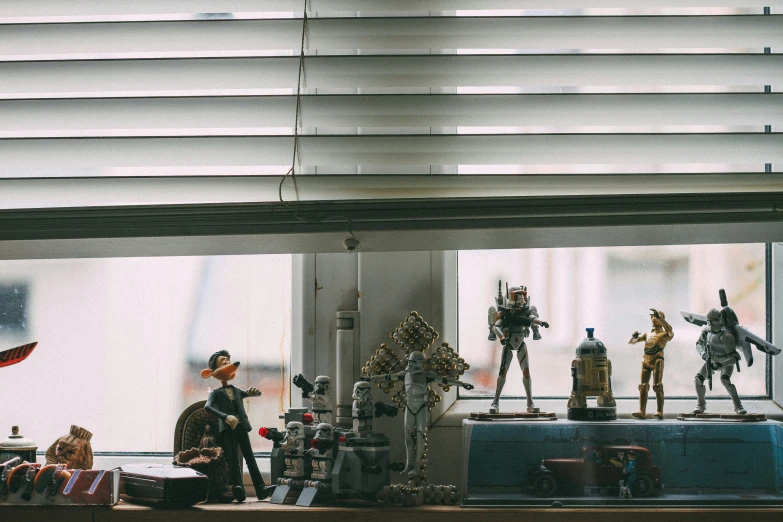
(138, 110)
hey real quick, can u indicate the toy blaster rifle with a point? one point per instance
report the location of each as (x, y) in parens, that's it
(273, 434)
(708, 353)
(381, 409)
(304, 385)
(491, 314)
(321, 444)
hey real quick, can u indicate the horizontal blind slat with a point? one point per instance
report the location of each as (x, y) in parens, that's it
(91, 192)
(384, 73)
(218, 155)
(90, 9)
(241, 38)
(241, 115)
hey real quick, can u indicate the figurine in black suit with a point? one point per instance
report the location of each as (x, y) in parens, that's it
(226, 403)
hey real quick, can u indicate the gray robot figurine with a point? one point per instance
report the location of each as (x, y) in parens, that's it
(512, 323)
(717, 345)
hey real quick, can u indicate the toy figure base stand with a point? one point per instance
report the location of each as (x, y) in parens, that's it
(521, 416)
(730, 417)
(592, 414)
(283, 491)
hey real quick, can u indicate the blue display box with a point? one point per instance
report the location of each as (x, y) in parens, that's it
(699, 463)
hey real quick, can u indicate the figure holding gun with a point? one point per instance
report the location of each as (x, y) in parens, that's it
(320, 394)
(720, 337)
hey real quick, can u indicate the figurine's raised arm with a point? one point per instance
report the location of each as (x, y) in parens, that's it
(434, 377)
(386, 377)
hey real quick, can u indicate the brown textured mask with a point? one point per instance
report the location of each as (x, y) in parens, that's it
(73, 449)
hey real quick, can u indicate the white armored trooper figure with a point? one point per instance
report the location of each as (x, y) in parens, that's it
(362, 409)
(718, 345)
(511, 323)
(416, 379)
(293, 448)
(322, 452)
(321, 397)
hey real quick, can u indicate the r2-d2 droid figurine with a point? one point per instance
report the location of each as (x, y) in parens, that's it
(511, 323)
(592, 377)
(717, 345)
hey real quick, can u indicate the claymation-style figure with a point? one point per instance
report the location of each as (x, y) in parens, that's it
(416, 379)
(226, 403)
(717, 345)
(654, 344)
(320, 394)
(511, 323)
(293, 447)
(362, 410)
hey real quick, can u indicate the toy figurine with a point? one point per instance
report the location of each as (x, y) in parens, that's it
(591, 372)
(322, 452)
(443, 367)
(293, 446)
(717, 345)
(417, 380)
(629, 470)
(73, 449)
(654, 344)
(362, 410)
(320, 394)
(226, 403)
(208, 439)
(511, 323)
(16, 355)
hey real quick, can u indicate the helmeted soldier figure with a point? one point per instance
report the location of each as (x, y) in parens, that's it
(511, 323)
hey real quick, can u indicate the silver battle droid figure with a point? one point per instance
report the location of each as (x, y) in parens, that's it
(511, 323)
(654, 344)
(717, 345)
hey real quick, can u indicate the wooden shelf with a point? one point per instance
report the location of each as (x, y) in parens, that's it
(256, 511)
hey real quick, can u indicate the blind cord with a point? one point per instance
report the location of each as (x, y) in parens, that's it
(292, 170)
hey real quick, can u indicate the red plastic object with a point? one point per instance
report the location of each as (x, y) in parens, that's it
(342, 438)
(16, 355)
(263, 431)
(308, 417)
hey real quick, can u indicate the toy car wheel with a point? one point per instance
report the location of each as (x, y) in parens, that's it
(643, 486)
(545, 485)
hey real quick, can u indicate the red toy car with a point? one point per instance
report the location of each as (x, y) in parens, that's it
(599, 467)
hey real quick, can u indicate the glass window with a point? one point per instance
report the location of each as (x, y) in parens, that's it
(611, 290)
(122, 342)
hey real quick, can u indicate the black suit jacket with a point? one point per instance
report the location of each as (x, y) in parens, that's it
(219, 404)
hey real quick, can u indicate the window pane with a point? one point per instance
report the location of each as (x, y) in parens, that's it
(122, 342)
(611, 290)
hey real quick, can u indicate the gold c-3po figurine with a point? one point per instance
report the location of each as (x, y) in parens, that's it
(654, 344)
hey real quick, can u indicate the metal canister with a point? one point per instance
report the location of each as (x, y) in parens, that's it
(17, 445)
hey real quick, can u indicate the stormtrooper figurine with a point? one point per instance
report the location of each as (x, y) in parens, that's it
(362, 410)
(321, 397)
(721, 336)
(511, 323)
(416, 380)
(322, 452)
(293, 447)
